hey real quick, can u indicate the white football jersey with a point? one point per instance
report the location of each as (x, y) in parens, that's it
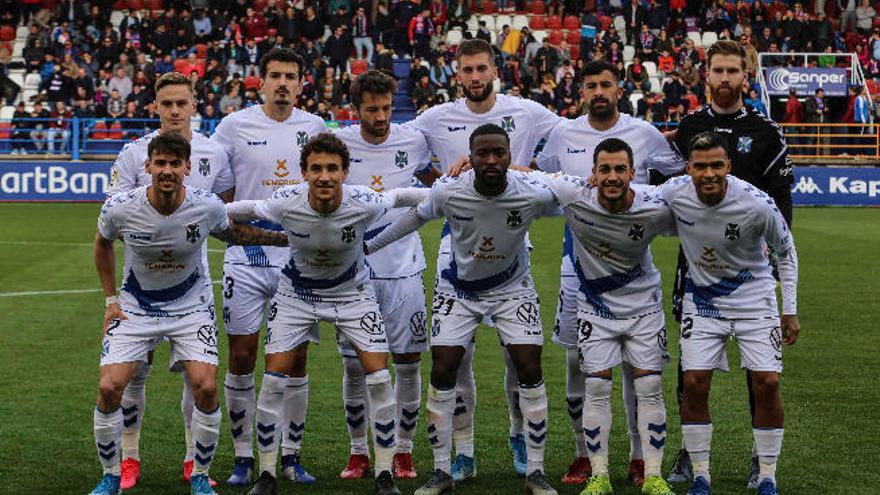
(264, 155)
(448, 127)
(487, 235)
(383, 167)
(210, 166)
(611, 251)
(163, 270)
(729, 275)
(326, 254)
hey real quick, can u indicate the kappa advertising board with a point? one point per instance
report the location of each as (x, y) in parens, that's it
(806, 81)
(88, 181)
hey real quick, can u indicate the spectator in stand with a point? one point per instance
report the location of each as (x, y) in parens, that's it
(251, 54)
(420, 31)
(794, 114)
(865, 15)
(438, 12)
(115, 106)
(689, 52)
(663, 42)
(614, 54)
(209, 120)
(59, 128)
(132, 121)
(547, 90)
(634, 14)
(513, 75)
(58, 87)
(562, 70)
(311, 27)
(337, 49)
(361, 35)
(121, 83)
(329, 89)
(637, 76)
(441, 75)
(862, 117)
(323, 112)
(405, 12)
(665, 64)
(755, 102)
(458, 13)
(567, 91)
(38, 135)
(546, 59)
(232, 99)
(823, 31)
(422, 93)
(20, 126)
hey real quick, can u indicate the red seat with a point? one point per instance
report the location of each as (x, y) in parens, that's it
(115, 131)
(872, 86)
(7, 33)
(488, 7)
(49, 4)
(555, 36)
(155, 5)
(99, 130)
(554, 22)
(604, 22)
(538, 7)
(119, 5)
(260, 5)
(358, 67)
(252, 82)
(573, 37)
(135, 4)
(179, 65)
(575, 51)
(201, 50)
(5, 130)
(537, 22)
(571, 22)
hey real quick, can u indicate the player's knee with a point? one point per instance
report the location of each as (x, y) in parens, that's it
(300, 360)
(530, 373)
(110, 393)
(765, 384)
(695, 385)
(443, 375)
(242, 359)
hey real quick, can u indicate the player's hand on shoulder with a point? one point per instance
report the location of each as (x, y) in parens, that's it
(459, 166)
(791, 328)
(670, 135)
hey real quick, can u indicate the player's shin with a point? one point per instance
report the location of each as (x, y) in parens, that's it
(768, 444)
(240, 405)
(533, 403)
(270, 414)
(441, 406)
(354, 398)
(574, 397)
(630, 399)
(651, 420)
(108, 428)
(296, 405)
(205, 434)
(597, 421)
(134, 401)
(382, 412)
(511, 388)
(187, 405)
(465, 405)
(407, 395)
(698, 441)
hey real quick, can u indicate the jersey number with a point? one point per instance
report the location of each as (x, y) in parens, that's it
(440, 302)
(230, 284)
(585, 329)
(687, 324)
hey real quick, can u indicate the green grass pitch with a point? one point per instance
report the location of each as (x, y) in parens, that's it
(49, 348)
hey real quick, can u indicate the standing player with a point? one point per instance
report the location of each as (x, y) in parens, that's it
(176, 106)
(385, 157)
(724, 224)
(165, 294)
(619, 303)
(263, 145)
(486, 276)
(447, 128)
(326, 280)
(758, 155)
(567, 148)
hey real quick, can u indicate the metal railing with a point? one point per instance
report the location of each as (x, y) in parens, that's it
(822, 140)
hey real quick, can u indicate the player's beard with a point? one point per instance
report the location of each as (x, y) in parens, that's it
(725, 96)
(374, 131)
(478, 97)
(605, 113)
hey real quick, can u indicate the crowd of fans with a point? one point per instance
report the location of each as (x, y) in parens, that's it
(91, 68)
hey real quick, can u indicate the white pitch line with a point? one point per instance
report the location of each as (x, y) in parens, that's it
(56, 292)
(69, 244)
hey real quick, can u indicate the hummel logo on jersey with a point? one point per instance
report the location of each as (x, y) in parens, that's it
(487, 244)
(377, 185)
(708, 255)
(508, 124)
(348, 234)
(732, 231)
(139, 237)
(302, 236)
(686, 222)
(356, 159)
(572, 151)
(192, 233)
(401, 159)
(281, 168)
(724, 129)
(302, 137)
(806, 185)
(463, 219)
(257, 143)
(636, 232)
(204, 167)
(744, 145)
(457, 128)
(514, 219)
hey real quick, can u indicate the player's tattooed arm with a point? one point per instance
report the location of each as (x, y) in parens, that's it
(248, 235)
(105, 263)
(227, 196)
(429, 177)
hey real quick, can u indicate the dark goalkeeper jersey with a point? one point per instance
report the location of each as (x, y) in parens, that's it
(756, 145)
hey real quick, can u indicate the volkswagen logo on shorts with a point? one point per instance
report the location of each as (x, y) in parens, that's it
(418, 324)
(372, 323)
(528, 314)
(208, 335)
(776, 339)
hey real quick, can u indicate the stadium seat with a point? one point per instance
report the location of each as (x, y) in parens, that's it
(651, 67)
(201, 51)
(32, 81)
(698, 40)
(571, 22)
(554, 22)
(539, 35)
(537, 22)
(22, 33)
(519, 22)
(119, 5)
(604, 22)
(629, 52)
(251, 82)
(501, 20)
(155, 5)
(49, 4)
(575, 51)
(116, 17)
(620, 24)
(538, 7)
(260, 5)
(634, 98)
(488, 7)
(472, 23)
(555, 36)
(493, 37)
(7, 112)
(135, 4)
(656, 87)
(573, 37)
(99, 130)
(115, 131)
(453, 37)
(709, 38)
(489, 20)
(17, 79)
(358, 67)
(7, 33)
(18, 48)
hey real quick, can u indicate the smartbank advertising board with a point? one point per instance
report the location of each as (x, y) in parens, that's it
(806, 81)
(88, 181)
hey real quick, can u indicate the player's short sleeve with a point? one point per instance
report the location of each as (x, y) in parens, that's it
(661, 156)
(432, 207)
(272, 209)
(224, 180)
(424, 124)
(682, 138)
(541, 121)
(218, 221)
(423, 154)
(108, 220)
(123, 174)
(778, 172)
(565, 188)
(224, 135)
(548, 158)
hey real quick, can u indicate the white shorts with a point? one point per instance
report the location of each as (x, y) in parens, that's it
(703, 339)
(402, 302)
(604, 343)
(193, 337)
(293, 321)
(565, 328)
(246, 291)
(517, 319)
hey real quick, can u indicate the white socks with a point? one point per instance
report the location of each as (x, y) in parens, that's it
(440, 406)
(652, 421)
(697, 441)
(134, 400)
(205, 433)
(108, 428)
(187, 404)
(597, 421)
(574, 397)
(270, 414)
(629, 404)
(382, 413)
(465, 405)
(240, 404)
(768, 444)
(511, 389)
(354, 398)
(533, 403)
(407, 395)
(296, 405)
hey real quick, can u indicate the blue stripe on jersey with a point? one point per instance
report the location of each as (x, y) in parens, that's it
(309, 284)
(446, 229)
(256, 256)
(593, 288)
(265, 224)
(373, 233)
(482, 284)
(567, 242)
(147, 299)
(703, 296)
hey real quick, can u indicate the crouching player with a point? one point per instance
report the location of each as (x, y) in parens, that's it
(620, 311)
(725, 224)
(165, 294)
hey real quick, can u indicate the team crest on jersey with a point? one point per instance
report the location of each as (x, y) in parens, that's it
(192, 233)
(348, 234)
(508, 124)
(301, 138)
(744, 144)
(732, 231)
(204, 167)
(514, 219)
(636, 232)
(401, 159)
(281, 168)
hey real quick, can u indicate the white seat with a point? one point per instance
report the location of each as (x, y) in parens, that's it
(655, 85)
(22, 32)
(425, 64)
(453, 37)
(503, 20)
(496, 85)
(489, 20)
(17, 79)
(32, 81)
(634, 100)
(7, 112)
(629, 52)
(620, 24)
(493, 37)
(709, 38)
(27, 94)
(519, 22)
(472, 23)
(116, 17)
(698, 40)
(539, 35)
(18, 48)
(473, 32)
(651, 67)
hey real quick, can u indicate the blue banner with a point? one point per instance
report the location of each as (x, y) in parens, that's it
(54, 181)
(836, 186)
(806, 81)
